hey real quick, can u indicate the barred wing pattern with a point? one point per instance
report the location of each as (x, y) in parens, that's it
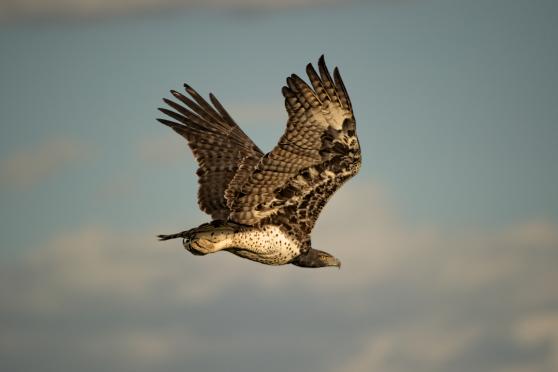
(317, 153)
(223, 151)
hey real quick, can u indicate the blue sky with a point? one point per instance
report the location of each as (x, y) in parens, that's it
(456, 105)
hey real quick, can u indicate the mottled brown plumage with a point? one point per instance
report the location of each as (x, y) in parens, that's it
(218, 144)
(282, 191)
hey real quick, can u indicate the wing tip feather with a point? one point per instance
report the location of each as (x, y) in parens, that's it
(167, 101)
(168, 123)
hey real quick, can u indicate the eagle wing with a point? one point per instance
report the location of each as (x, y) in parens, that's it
(220, 147)
(317, 153)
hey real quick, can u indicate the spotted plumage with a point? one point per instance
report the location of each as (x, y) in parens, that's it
(264, 207)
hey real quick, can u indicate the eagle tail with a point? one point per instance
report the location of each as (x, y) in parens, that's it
(182, 234)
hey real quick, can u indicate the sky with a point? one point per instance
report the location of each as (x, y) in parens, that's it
(448, 235)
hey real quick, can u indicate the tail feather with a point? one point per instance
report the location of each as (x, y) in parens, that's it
(171, 236)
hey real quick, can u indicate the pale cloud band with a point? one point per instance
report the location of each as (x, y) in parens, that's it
(32, 164)
(10, 10)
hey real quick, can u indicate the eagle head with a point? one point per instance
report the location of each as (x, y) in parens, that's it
(316, 258)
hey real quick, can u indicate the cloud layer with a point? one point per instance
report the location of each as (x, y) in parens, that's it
(406, 298)
(28, 166)
(10, 10)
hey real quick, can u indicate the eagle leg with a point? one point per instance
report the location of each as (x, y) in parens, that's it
(207, 238)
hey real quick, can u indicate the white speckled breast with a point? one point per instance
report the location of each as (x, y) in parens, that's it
(268, 245)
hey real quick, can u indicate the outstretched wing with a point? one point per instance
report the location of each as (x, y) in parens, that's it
(317, 153)
(218, 144)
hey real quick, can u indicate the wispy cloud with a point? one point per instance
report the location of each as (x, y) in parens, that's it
(541, 329)
(10, 10)
(30, 165)
(418, 344)
(406, 298)
(166, 149)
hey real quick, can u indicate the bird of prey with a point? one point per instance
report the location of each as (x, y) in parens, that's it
(264, 206)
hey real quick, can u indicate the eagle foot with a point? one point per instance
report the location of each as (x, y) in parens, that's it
(199, 247)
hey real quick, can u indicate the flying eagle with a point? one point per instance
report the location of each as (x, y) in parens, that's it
(264, 206)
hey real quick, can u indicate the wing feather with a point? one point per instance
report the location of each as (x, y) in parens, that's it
(318, 152)
(220, 147)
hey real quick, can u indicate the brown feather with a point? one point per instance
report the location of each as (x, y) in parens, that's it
(218, 144)
(314, 157)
